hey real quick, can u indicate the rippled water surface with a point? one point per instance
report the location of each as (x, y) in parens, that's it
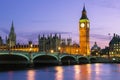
(74, 72)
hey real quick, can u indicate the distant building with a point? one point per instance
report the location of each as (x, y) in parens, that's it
(30, 47)
(95, 50)
(71, 49)
(11, 40)
(2, 46)
(49, 43)
(114, 45)
(12, 46)
(1, 41)
(69, 41)
(105, 51)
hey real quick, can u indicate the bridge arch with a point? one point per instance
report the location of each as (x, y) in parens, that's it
(42, 60)
(13, 61)
(15, 54)
(83, 60)
(93, 60)
(68, 59)
(22, 55)
(39, 54)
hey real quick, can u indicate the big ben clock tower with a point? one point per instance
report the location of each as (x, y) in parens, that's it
(84, 28)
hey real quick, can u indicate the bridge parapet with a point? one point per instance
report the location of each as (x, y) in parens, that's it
(59, 56)
(26, 55)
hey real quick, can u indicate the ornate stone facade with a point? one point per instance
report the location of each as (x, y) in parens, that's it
(84, 28)
(11, 40)
(114, 45)
(49, 43)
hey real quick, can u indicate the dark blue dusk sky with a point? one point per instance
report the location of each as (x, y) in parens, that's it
(32, 17)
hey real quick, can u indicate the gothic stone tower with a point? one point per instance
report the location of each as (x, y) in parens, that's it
(11, 41)
(84, 28)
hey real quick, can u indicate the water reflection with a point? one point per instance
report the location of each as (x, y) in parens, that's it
(77, 72)
(90, 72)
(73, 72)
(82, 72)
(97, 69)
(59, 73)
(86, 72)
(31, 75)
(10, 74)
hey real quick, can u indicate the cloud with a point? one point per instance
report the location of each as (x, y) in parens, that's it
(37, 21)
(95, 36)
(100, 36)
(108, 3)
(102, 40)
(33, 36)
(40, 21)
(5, 31)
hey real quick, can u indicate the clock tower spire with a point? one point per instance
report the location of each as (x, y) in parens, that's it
(84, 28)
(84, 13)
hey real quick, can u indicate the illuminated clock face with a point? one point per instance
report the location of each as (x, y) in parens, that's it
(82, 25)
(88, 25)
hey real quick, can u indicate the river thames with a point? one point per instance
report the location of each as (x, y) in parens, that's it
(72, 72)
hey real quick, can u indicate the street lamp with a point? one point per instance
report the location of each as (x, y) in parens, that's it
(76, 51)
(59, 48)
(30, 51)
(52, 51)
(30, 48)
(9, 46)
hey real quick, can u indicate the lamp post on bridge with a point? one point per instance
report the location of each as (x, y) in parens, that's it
(9, 47)
(76, 51)
(51, 51)
(30, 51)
(77, 55)
(59, 48)
(108, 50)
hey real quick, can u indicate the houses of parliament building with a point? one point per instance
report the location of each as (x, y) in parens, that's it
(53, 42)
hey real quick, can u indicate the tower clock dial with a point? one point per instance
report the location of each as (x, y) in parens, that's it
(88, 25)
(82, 25)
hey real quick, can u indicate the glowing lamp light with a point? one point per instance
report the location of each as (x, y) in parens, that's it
(96, 53)
(113, 58)
(31, 45)
(30, 49)
(52, 51)
(59, 48)
(76, 50)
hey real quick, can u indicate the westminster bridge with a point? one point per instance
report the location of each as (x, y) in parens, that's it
(43, 58)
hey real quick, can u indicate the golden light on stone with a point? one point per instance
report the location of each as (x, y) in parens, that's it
(52, 51)
(76, 50)
(84, 34)
(59, 48)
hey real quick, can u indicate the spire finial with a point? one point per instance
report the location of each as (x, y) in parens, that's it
(84, 8)
(12, 23)
(12, 26)
(84, 14)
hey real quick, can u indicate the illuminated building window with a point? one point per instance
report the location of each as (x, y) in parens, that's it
(116, 49)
